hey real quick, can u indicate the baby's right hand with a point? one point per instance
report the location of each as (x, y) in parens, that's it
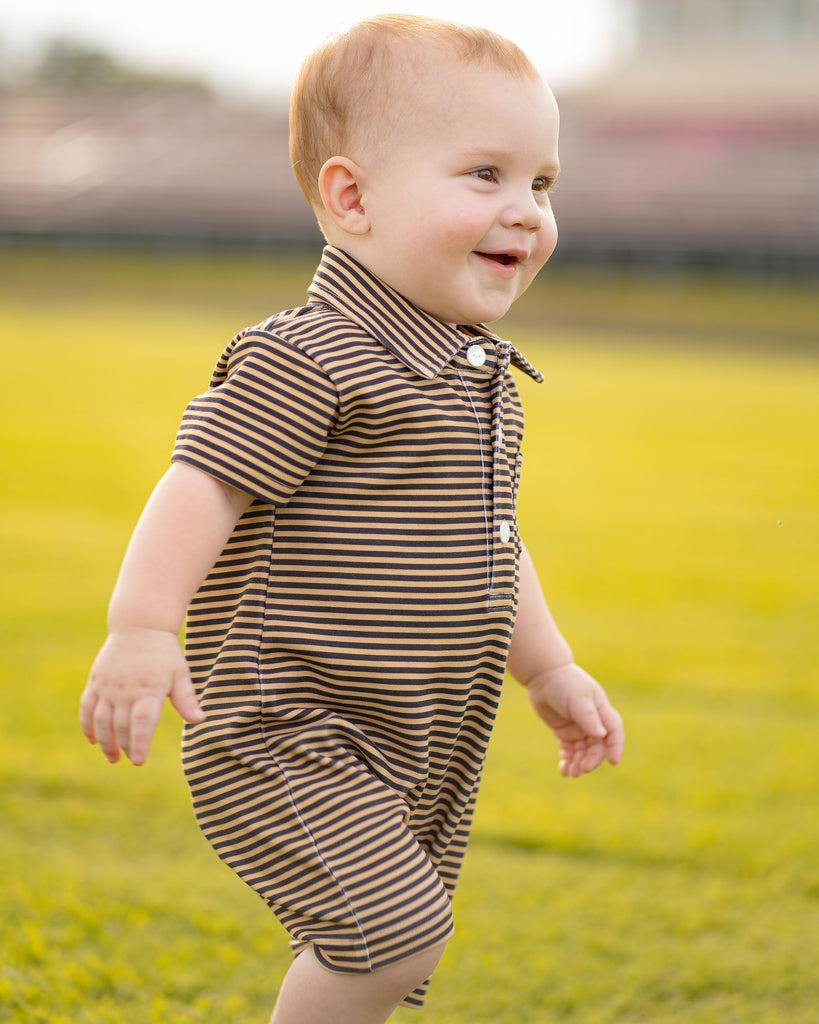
(122, 702)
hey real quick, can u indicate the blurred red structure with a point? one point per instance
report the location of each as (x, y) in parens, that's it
(702, 143)
(699, 146)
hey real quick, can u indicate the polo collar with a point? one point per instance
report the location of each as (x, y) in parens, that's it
(421, 342)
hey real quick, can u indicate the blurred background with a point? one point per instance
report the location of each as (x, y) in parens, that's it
(690, 129)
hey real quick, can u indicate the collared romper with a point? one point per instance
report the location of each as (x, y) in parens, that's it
(349, 644)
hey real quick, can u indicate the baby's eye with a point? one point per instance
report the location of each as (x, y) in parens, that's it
(485, 174)
(542, 184)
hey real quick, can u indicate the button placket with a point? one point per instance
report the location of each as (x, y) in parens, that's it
(498, 494)
(501, 533)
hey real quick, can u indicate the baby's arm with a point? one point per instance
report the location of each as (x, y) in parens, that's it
(182, 531)
(573, 704)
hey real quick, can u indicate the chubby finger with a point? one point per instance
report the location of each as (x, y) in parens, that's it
(582, 757)
(183, 698)
(144, 718)
(104, 731)
(567, 768)
(593, 758)
(121, 723)
(573, 767)
(586, 715)
(615, 734)
(88, 704)
(615, 743)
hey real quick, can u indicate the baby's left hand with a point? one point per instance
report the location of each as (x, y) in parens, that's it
(577, 709)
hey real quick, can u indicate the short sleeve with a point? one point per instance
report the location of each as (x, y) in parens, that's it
(264, 423)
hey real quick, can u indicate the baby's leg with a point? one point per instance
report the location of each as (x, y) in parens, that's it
(310, 994)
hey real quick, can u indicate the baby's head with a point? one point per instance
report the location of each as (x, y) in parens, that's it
(409, 135)
(356, 89)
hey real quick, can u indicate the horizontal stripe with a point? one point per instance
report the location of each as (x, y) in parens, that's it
(349, 644)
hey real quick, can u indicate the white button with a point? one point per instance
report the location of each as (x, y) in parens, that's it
(475, 355)
(505, 531)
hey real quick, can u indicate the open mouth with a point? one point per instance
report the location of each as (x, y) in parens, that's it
(500, 257)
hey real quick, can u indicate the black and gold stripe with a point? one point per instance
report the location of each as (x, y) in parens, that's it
(349, 644)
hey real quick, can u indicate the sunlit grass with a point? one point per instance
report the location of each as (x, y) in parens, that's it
(671, 500)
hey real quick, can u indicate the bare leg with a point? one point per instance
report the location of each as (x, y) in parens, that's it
(312, 995)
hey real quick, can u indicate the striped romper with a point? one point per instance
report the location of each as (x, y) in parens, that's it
(349, 645)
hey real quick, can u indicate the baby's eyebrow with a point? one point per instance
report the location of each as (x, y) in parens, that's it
(488, 156)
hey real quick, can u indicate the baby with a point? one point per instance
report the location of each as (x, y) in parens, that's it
(339, 522)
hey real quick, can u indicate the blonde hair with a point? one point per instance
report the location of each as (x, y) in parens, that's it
(348, 89)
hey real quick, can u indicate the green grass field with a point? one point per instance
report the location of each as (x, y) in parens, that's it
(671, 500)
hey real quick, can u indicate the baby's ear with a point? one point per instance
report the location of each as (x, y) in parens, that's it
(341, 194)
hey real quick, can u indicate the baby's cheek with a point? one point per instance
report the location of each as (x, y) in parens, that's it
(545, 247)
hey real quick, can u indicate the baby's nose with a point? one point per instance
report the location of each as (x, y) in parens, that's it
(524, 211)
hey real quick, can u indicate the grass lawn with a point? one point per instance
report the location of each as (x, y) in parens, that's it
(671, 500)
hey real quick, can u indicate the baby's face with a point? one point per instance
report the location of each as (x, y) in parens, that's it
(458, 199)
